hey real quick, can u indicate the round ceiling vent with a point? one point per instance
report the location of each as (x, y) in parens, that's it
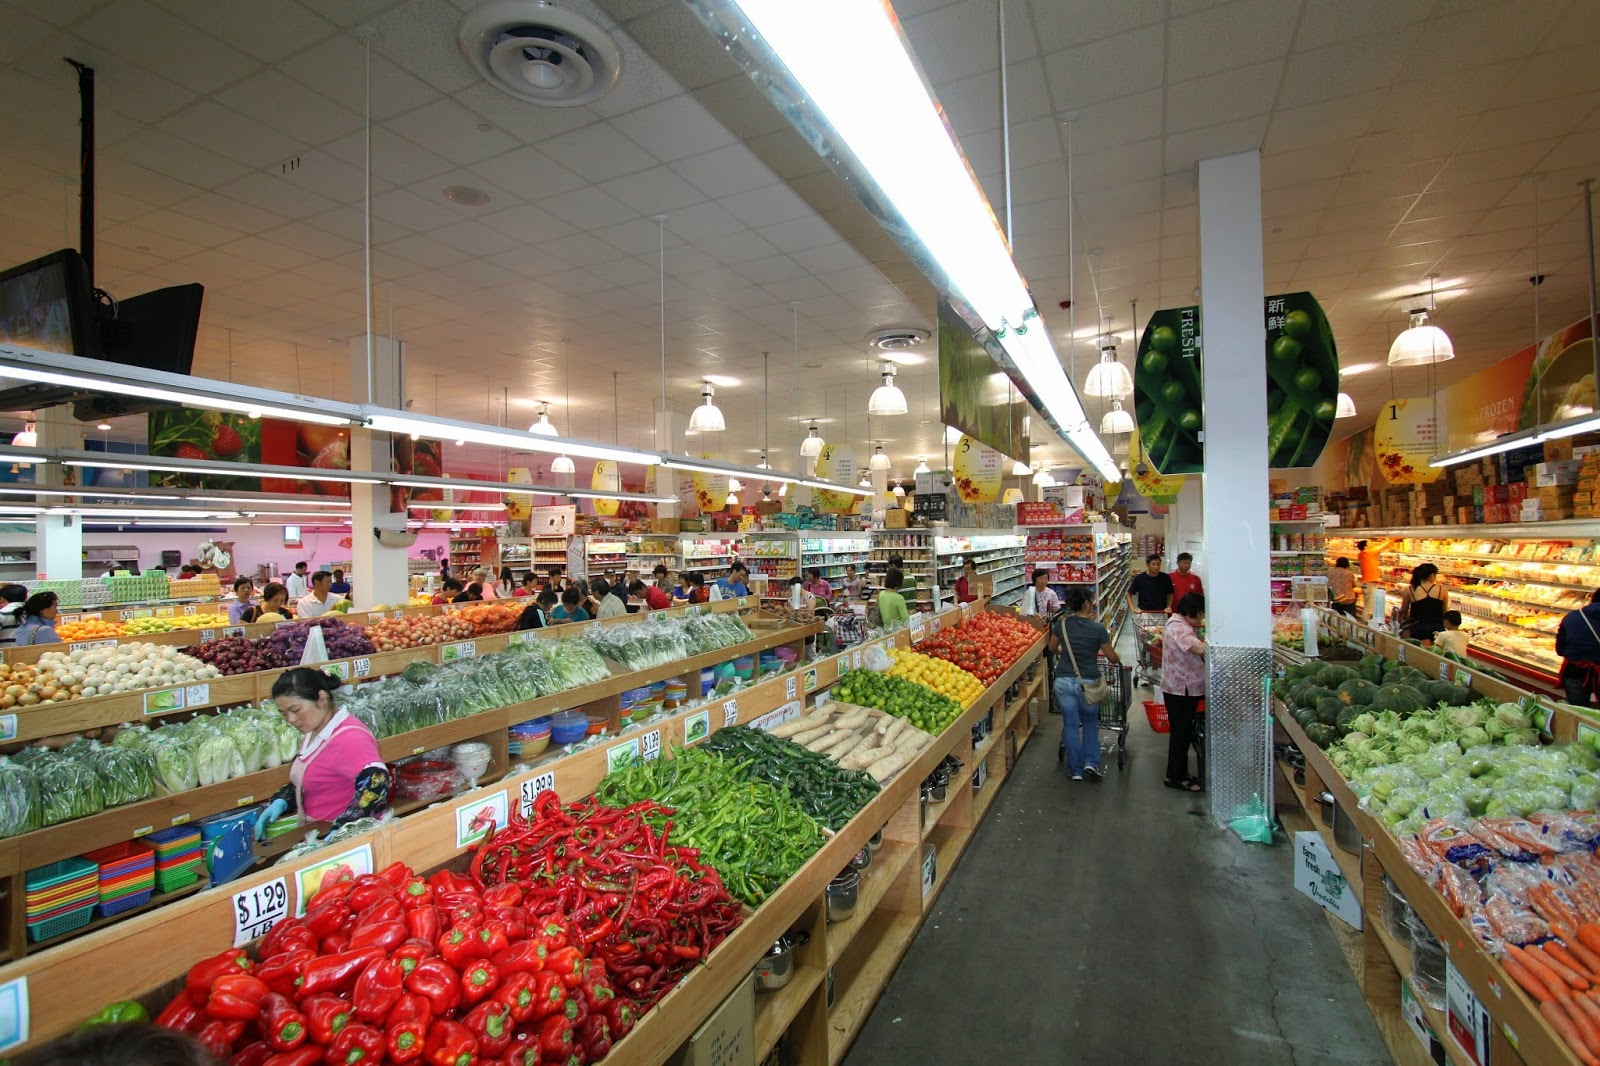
(541, 53)
(897, 338)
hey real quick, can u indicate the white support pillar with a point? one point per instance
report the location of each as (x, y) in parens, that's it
(381, 572)
(59, 537)
(669, 437)
(1237, 564)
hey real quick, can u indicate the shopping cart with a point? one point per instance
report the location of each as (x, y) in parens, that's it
(1147, 630)
(1114, 710)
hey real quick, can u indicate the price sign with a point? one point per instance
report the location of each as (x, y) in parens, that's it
(125, 614)
(258, 909)
(916, 628)
(233, 631)
(467, 649)
(361, 667)
(397, 614)
(1463, 678)
(190, 608)
(730, 713)
(1546, 717)
(196, 695)
(650, 745)
(855, 659)
(696, 727)
(69, 619)
(1400, 653)
(517, 639)
(934, 623)
(621, 756)
(171, 699)
(789, 688)
(15, 1019)
(1444, 669)
(208, 634)
(85, 645)
(531, 789)
(165, 612)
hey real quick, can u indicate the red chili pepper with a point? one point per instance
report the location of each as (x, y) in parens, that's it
(220, 1036)
(622, 1016)
(451, 1044)
(435, 981)
(423, 922)
(356, 1044)
(236, 997)
(525, 956)
(555, 1038)
(595, 1037)
(410, 1007)
(289, 933)
(307, 1055)
(567, 963)
(337, 973)
(508, 895)
(282, 1023)
(203, 974)
(326, 1016)
(550, 995)
(517, 992)
(253, 1054)
(416, 893)
(377, 989)
(478, 981)
(387, 909)
(490, 1023)
(328, 916)
(412, 952)
(281, 973)
(385, 936)
(181, 1014)
(461, 945)
(406, 1040)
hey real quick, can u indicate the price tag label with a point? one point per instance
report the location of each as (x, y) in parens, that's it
(338, 669)
(621, 756)
(650, 745)
(1546, 717)
(934, 623)
(1444, 669)
(15, 1017)
(233, 631)
(531, 789)
(125, 614)
(85, 645)
(658, 616)
(190, 608)
(1463, 678)
(396, 614)
(467, 649)
(916, 628)
(789, 687)
(208, 634)
(730, 713)
(1400, 653)
(361, 667)
(165, 612)
(256, 910)
(162, 702)
(69, 619)
(8, 727)
(196, 695)
(696, 727)
(517, 639)
(855, 659)
(966, 610)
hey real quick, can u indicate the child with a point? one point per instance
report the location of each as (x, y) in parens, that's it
(1453, 639)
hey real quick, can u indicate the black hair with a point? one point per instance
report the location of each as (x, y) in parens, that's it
(301, 563)
(241, 580)
(1422, 573)
(304, 683)
(38, 603)
(273, 590)
(319, 575)
(897, 562)
(893, 578)
(636, 588)
(13, 593)
(1185, 557)
(1595, 598)
(453, 584)
(473, 593)
(660, 570)
(1452, 618)
(547, 599)
(696, 579)
(555, 572)
(795, 581)
(122, 1044)
(1342, 562)
(599, 588)
(532, 616)
(527, 576)
(338, 574)
(967, 560)
(1038, 572)
(1154, 557)
(571, 597)
(1361, 545)
(1078, 599)
(505, 575)
(813, 573)
(1193, 605)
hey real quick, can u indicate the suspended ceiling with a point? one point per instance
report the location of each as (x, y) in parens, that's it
(1395, 137)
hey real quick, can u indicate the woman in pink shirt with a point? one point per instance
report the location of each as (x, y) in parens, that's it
(817, 585)
(338, 775)
(1183, 683)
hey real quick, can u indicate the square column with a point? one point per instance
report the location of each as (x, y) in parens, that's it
(1234, 498)
(381, 572)
(60, 537)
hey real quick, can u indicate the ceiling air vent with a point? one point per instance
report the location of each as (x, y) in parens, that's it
(897, 338)
(541, 53)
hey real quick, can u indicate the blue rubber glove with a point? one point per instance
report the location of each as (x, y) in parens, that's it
(275, 810)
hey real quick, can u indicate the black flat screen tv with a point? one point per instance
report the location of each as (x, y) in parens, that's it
(47, 304)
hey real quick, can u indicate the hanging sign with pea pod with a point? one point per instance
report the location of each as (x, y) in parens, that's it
(1302, 385)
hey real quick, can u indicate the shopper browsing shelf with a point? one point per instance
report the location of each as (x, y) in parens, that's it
(529, 585)
(38, 625)
(699, 592)
(339, 776)
(1183, 684)
(242, 600)
(854, 588)
(1578, 644)
(12, 597)
(1342, 587)
(274, 606)
(737, 583)
(298, 583)
(1078, 640)
(1150, 592)
(892, 608)
(473, 593)
(537, 614)
(1184, 579)
(967, 583)
(571, 608)
(448, 591)
(319, 601)
(818, 585)
(1453, 638)
(1039, 598)
(1422, 610)
(613, 599)
(656, 594)
(340, 586)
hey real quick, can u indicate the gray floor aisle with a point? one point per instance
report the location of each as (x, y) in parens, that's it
(1114, 923)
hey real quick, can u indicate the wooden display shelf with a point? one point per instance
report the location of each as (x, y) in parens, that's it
(858, 982)
(158, 899)
(950, 843)
(776, 1010)
(887, 866)
(957, 795)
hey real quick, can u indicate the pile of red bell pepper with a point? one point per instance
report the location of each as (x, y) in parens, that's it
(396, 968)
(649, 909)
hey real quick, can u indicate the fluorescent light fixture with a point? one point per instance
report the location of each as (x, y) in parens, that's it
(542, 426)
(1118, 421)
(392, 421)
(707, 418)
(711, 466)
(887, 399)
(440, 505)
(1346, 407)
(1357, 368)
(642, 497)
(1421, 344)
(206, 466)
(563, 464)
(812, 446)
(830, 486)
(1521, 439)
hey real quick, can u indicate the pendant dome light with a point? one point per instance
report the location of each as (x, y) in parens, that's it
(865, 481)
(1421, 344)
(899, 491)
(887, 399)
(879, 461)
(1108, 377)
(812, 446)
(922, 466)
(735, 485)
(707, 418)
(1116, 420)
(542, 426)
(1043, 479)
(28, 438)
(1020, 469)
(733, 500)
(1346, 407)
(562, 464)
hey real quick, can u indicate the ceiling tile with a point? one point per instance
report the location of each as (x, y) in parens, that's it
(1345, 69)
(1123, 120)
(336, 68)
(700, 220)
(799, 234)
(176, 158)
(964, 38)
(597, 152)
(394, 159)
(1230, 35)
(451, 131)
(1459, 91)
(654, 191)
(725, 171)
(1065, 25)
(231, 134)
(675, 128)
(775, 203)
(1116, 66)
(276, 195)
(145, 34)
(284, 104)
(1324, 123)
(1488, 34)
(411, 34)
(267, 32)
(1329, 23)
(588, 208)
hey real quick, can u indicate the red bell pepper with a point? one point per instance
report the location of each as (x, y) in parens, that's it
(576, 1010)
(525, 956)
(384, 935)
(236, 997)
(326, 1017)
(567, 963)
(396, 874)
(623, 1016)
(424, 922)
(281, 973)
(377, 989)
(203, 974)
(307, 1055)
(416, 893)
(405, 1041)
(595, 1037)
(367, 890)
(556, 932)
(550, 995)
(410, 1007)
(282, 1024)
(478, 981)
(436, 982)
(555, 1038)
(386, 909)
(253, 1054)
(220, 1036)
(461, 945)
(492, 938)
(285, 935)
(517, 991)
(451, 1044)
(328, 917)
(458, 907)
(356, 1044)
(335, 974)
(490, 1023)
(506, 895)
(181, 1014)
(412, 952)
(516, 920)
(597, 991)
(450, 881)
(334, 943)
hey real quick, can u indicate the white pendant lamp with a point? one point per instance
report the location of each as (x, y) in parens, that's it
(735, 485)
(1421, 344)
(1021, 469)
(543, 427)
(899, 491)
(879, 461)
(865, 482)
(1108, 377)
(1043, 479)
(733, 500)
(887, 399)
(812, 446)
(562, 464)
(707, 418)
(922, 466)
(1346, 408)
(28, 438)
(1116, 420)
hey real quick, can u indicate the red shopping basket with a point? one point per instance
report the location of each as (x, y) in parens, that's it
(1157, 713)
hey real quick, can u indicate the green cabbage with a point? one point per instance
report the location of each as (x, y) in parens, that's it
(217, 759)
(175, 766)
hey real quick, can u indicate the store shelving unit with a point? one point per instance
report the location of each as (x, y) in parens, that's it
(708, 552)
(466, 552)
(646, 551)
(997, 556)
(831, 551)
(1299, 567)
(915, 546)
(774, 555)
(1113, 562)
(1083, 556)
(606, 555)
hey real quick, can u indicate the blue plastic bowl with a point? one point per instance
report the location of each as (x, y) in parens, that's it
(568, 727)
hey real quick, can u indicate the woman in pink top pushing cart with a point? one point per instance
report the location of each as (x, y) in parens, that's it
(338, 775)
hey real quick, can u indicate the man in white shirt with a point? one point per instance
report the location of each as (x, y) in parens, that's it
(319, 599)
(296, 583)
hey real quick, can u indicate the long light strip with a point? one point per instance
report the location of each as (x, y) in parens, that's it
(450, 429)
(1570, 427)
(711, 466)
(884, 115)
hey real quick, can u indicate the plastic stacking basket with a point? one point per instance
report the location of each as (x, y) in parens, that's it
(1157, 714)
(127, 876)
(61, 897)
(180, 856)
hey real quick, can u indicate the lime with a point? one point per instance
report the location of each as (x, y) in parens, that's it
(1307, 378)
(1324, 410)
(1172, 391)
(1286, 349)
(1297, 324)
(1164, 338)
(1190, 420)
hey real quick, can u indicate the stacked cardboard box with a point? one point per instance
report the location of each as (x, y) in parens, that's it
(1586, 501)
(1425, 504)
(1552, 492)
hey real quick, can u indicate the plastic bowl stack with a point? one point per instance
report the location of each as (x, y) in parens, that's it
(530, 738)
(471, 759)
(568, 727)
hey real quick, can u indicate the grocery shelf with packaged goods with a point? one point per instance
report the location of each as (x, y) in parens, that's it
(862, 951)
(997, 556)
(648, 550)
(709, 553)
(831, 551)
(1082, 555)
(538, 554)
(470, 549)
(915, 547)
(775, 555)
(1299, 543)
(1512, 584)
(1410, 929)
(606, 555)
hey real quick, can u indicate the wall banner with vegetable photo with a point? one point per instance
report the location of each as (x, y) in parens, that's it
(976, 394)
(1147, 480)
(1167, 400)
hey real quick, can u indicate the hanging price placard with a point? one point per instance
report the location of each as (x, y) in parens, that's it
(256, 910)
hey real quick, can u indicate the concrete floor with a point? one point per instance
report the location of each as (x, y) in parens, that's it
(1114, 923)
